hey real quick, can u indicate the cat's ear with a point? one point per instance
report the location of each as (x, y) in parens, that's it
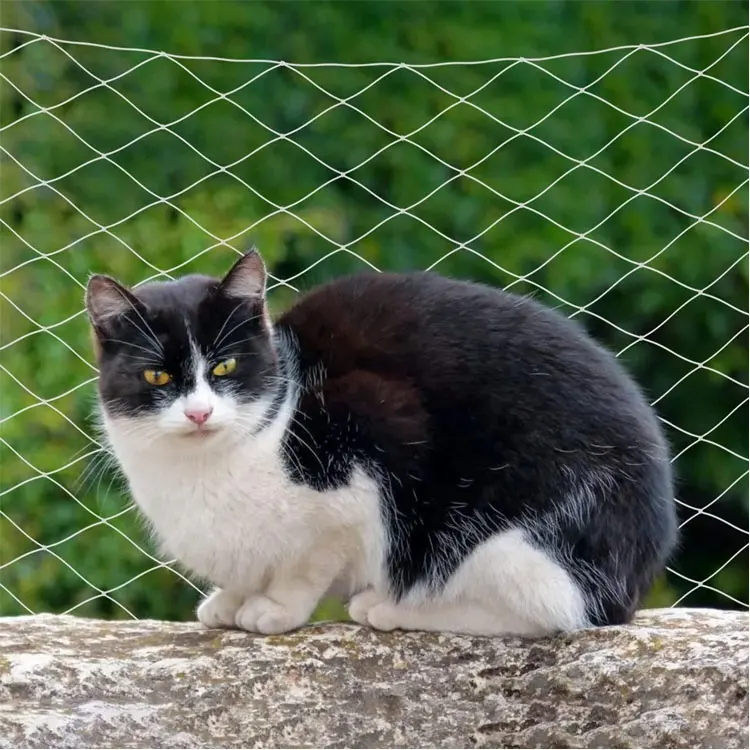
(106, 300)
(247, 278)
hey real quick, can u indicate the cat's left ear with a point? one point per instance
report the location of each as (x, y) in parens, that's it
(247, 278)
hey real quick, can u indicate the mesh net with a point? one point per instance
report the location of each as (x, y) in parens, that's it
(639, 228)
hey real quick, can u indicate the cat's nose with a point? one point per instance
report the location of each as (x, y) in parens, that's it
(199, 416)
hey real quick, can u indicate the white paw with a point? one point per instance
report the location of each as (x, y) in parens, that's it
(219, 609)
(383, 616)
(370, 607)
(360, 604)
(259, 614)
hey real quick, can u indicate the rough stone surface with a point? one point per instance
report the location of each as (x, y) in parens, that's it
(674, 678)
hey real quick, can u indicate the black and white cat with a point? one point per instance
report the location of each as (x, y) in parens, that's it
(444, 455)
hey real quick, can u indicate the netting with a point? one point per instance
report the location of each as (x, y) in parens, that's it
(612, 205)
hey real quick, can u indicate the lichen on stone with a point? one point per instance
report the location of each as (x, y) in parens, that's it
(673, 678)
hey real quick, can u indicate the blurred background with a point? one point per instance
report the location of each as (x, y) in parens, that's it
(613, 185)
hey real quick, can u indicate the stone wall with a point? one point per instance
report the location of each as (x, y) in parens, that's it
(674, 678)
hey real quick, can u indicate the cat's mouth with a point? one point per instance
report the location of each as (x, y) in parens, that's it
(201, 433)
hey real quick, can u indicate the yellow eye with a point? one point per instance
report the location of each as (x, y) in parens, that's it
(157, 377)
(225, 367)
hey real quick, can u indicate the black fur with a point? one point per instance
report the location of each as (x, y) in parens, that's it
(480, 410)
(476, 410)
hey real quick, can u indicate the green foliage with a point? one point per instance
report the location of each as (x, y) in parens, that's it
(577, 178)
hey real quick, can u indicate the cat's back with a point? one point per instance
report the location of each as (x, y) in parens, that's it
(397, 312)
(481, 358)
(426, 325)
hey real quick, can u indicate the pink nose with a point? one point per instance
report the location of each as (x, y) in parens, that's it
(199, 416)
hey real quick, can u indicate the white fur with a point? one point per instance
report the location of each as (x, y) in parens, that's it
(506, 586)
(221, 503)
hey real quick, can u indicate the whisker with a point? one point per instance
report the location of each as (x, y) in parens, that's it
(297, 422)
(100, 458)
(233, 329)
(294, 460)
(103, 462)
(78, 455)
(98, 494)
(307, 445)
(228, 318)
(224, 354)
(283, 379)
(151, 336)
(244, 421)
(155, 363)
(155, 352)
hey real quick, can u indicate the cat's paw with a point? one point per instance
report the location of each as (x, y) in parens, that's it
(259, 614)
(384, 616)
(219, 609)
(361, 604)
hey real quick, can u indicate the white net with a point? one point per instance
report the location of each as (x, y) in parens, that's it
(639, 228)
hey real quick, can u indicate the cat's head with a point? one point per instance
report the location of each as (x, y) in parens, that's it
(191, 360)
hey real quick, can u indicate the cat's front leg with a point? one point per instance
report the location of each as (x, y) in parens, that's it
(291, 597)
(262, 614)
(361, 604)
(219, 609)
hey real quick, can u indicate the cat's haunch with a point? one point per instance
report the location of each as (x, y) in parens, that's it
(444, 455)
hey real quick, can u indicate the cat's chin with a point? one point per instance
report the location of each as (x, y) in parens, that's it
(197, 441)
(202, 435)
(206, 434)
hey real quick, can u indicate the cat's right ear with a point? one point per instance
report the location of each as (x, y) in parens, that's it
(107, 300)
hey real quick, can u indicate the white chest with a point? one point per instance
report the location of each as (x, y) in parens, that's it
(233, 517)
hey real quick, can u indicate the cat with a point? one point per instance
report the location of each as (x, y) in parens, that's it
(443, 455)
